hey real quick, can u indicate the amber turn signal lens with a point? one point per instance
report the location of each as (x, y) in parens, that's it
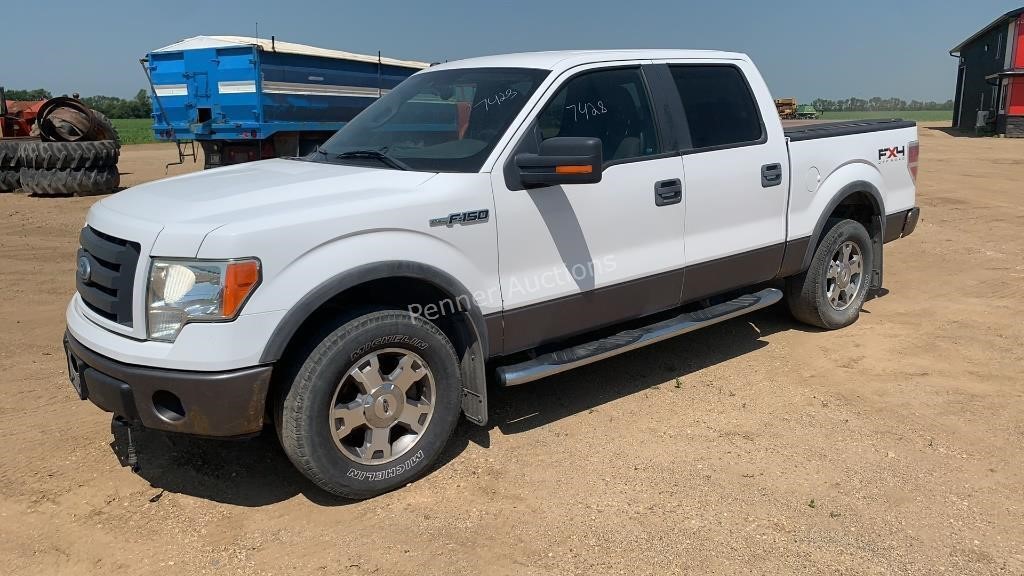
(239, 281)
(573, 169)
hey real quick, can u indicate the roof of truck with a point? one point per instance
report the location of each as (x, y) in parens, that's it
(283, 47)
(569, 58)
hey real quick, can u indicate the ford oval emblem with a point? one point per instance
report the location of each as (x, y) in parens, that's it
(84, 268)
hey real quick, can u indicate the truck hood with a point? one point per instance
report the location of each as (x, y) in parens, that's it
(181, 211)
(212, 198)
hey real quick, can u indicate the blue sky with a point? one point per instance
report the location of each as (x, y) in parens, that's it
(804, 48)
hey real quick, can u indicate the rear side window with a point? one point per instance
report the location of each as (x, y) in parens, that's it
(720, 107)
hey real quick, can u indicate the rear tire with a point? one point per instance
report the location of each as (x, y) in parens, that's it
(373, 405)
(830, 293)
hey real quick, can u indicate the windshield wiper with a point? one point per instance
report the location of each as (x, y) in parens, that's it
(375, 155)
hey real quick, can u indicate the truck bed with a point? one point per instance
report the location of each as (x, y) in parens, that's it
(873, 155)
(813, 131)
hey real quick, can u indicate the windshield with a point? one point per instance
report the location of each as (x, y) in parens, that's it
(441, 121)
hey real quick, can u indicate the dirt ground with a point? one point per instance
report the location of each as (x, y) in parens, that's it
(759, 446)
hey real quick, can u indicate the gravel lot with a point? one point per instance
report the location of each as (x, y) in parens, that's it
(757, 446)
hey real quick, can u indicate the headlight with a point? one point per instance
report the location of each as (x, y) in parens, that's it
(183, 291)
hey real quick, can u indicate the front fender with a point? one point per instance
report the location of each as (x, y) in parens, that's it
(318, 275)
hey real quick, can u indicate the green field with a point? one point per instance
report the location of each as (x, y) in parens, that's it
(135, 130)
(918, 115)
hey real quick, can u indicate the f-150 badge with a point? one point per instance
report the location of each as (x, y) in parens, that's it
(471, 217)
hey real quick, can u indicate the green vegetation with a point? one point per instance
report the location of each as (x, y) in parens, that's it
(112, 106)
(877, 107)
(29, 95)
(134, 130)
(916, 115)
(878, 104)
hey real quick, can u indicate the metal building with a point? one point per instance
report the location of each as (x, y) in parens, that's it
(990, 78)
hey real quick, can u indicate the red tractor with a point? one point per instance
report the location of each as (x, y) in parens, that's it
(17, 116)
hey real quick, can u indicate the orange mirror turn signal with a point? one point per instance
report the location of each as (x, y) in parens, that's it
(573, 169)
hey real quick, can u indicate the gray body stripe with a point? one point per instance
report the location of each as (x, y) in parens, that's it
(321, 89)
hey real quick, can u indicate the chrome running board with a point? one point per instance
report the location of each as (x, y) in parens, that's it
(583, 354)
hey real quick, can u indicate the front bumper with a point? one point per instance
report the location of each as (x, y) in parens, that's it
(229, 403)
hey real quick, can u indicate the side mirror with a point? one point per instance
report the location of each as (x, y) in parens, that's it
(562, 160)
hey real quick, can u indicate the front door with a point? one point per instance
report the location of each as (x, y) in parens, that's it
(574, 258)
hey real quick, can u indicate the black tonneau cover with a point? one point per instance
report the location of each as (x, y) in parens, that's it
(830, 129)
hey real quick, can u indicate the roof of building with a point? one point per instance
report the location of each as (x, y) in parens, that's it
(1011, 14)
(266, 45)
(569, 58)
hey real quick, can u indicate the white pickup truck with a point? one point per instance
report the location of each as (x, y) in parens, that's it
(498, 219)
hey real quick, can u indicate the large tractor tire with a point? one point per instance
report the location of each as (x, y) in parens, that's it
(9, 153)
(103, 128)
(64, 155)
(84, 182)
(9, 180)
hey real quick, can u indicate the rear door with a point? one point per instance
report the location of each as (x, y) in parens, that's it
(736, 177)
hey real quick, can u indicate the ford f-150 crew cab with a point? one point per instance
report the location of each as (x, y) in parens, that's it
(496, 219)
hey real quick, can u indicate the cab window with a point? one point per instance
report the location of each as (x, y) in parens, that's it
(608, 104)
(720, 108)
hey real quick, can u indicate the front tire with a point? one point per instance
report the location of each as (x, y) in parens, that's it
(373, 405)
(830, 293)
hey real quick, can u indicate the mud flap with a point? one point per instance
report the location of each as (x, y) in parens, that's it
(877, 242)
(474, 385)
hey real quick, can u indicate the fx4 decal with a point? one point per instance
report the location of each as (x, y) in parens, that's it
(894, 154)
(454, 218)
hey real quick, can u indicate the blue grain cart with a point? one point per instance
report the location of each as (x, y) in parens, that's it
(244, 99)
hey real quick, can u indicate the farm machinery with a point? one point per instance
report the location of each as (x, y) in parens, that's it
(807, 112)
(57, 147)
(789, 109)
(17, 116)
(786, 108)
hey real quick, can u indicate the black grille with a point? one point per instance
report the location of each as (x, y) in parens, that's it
(107, 288)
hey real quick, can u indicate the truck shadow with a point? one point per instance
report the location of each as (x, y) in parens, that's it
(256, 472)
(251, 472)
(520, 409)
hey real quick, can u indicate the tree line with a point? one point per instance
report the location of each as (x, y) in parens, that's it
(111, 106)
(878, 104)
(141, 107)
